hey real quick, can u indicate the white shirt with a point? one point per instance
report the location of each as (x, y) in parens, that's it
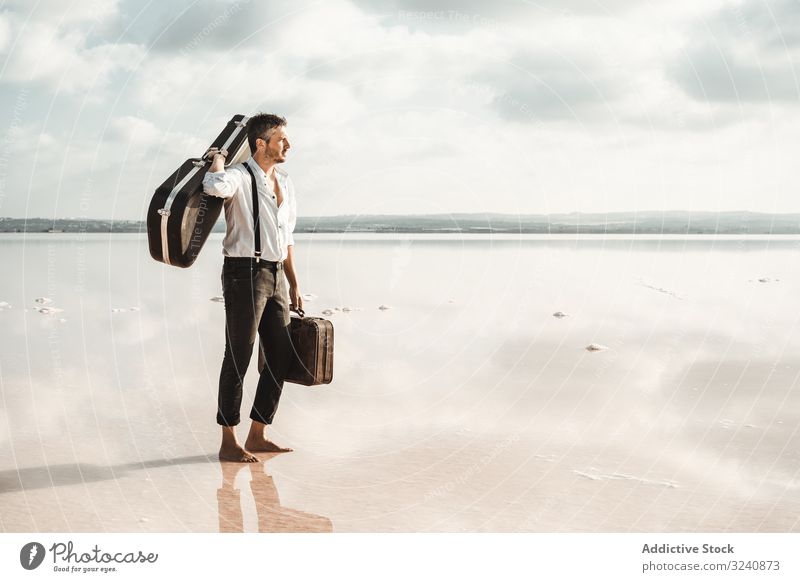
(276, 222)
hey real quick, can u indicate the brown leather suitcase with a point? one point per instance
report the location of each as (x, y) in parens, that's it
(312, 356)
(181, 215)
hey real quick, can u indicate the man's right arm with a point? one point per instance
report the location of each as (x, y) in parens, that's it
(218, 182)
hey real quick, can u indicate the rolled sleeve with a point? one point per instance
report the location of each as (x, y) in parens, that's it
(222, 184)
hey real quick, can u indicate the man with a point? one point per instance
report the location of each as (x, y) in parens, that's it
(253, 281)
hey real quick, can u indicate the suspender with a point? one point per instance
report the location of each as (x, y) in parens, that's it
(256, 228)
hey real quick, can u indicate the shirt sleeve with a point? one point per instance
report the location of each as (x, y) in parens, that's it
(292, 212)
(222, 184)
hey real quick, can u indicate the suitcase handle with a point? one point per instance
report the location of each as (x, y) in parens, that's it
(299, 311)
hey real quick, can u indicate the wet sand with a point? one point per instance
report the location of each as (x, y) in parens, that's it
(465, 407)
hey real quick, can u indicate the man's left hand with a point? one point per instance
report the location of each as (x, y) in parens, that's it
(295, 298)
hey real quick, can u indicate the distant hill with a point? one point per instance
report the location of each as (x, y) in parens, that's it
(668, 222)
(673, 222)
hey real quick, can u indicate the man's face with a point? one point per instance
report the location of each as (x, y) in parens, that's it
(277, 145)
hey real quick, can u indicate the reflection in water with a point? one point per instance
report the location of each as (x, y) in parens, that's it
(470, 408)
(272, 517)
(66, 474)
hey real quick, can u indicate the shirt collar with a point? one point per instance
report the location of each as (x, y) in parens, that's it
(256, 168)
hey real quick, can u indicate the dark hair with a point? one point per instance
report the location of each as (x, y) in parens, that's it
(259, 125)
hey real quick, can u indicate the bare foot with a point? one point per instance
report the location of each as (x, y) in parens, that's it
(236, 454)
(262, 445)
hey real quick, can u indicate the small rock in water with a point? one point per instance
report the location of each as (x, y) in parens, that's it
(217, 299)
(337, 308)
(43, 300)
(560, 314)
(327, 312)
(346, 309)
(596, 347)
(767, 280)
(660, 289)
(383, 307)
(48, 310)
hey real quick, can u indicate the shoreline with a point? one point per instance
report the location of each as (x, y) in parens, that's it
(432, 235)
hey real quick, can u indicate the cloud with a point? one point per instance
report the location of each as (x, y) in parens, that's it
(533, 88)
(51, 45)
(506, 98)
(774, 24)
(134, 131)
(65, 14)
(743, 53)
(212, 25)
(28, 139)
(713, 73)
(459, 16)
(5, 32)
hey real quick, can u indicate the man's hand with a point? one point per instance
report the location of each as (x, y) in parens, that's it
(217, 157)
(214, 152)
(295, 298)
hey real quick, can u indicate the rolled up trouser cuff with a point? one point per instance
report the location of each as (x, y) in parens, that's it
(226, 421)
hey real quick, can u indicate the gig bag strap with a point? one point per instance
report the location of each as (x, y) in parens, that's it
(256, 228)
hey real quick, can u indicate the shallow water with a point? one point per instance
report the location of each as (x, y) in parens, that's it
(466, 406)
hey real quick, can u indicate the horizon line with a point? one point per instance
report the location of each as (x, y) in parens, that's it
(508, 214)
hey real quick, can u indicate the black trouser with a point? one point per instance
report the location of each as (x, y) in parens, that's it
(256, 300)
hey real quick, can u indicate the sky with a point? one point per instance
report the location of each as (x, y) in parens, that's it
(407, 106)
